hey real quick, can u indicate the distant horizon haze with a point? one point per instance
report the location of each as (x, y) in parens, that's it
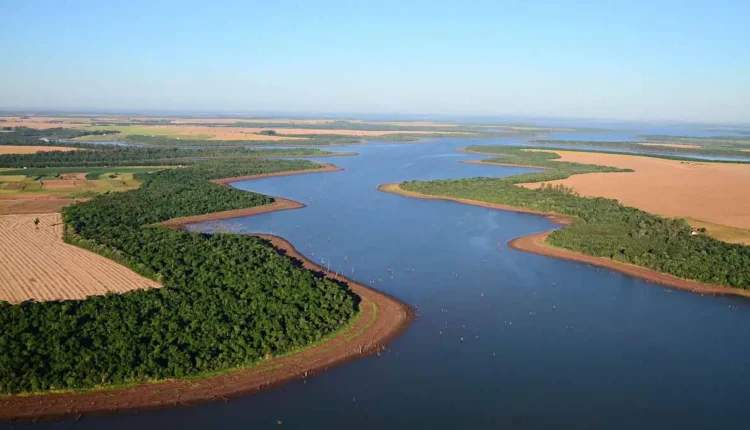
(669, 60)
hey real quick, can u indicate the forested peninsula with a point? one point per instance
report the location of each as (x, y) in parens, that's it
(228, 301)
(602, 227)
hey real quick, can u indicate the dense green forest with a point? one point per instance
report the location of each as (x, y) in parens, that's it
(603, 228)
(228, 300)
(57, 133)
(113, 155)
(15, 139)
(651, 151)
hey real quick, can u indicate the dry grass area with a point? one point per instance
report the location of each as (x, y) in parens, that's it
(716, 193)
(12, 149)
(671, 145)
(37, 264)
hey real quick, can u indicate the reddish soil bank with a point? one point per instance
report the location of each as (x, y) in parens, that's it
(381, 319)
(536, 244)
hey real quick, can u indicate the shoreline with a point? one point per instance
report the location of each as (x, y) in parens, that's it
(536, 244)
(381, 319)
(395, 188)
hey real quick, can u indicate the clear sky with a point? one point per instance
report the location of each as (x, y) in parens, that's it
(637, 59)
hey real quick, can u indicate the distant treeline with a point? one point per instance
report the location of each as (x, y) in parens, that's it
(650, 149)
(228, 300)
(113, 155)
(728, 141)
(304, 140)
(603, 228)
(57, 133)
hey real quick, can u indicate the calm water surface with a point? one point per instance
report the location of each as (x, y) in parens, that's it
(503, 338)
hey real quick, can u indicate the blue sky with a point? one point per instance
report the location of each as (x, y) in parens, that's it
(644, 60)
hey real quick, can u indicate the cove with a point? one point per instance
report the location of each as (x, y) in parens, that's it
(502, 338)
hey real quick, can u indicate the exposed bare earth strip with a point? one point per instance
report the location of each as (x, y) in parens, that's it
(381, 319)
(536, 243)
(36, 264)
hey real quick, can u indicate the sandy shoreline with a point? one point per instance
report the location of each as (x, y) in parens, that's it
(381, 319)
(536, 244)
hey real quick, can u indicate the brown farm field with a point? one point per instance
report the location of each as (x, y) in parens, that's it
(229, 133)
(715, 193)
(37, 264)
(13, 149)
(33, 203)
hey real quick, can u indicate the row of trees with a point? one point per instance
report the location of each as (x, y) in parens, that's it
(719, 148)
(58, 132)
(227, 301)
(113, 155)
(604, 228)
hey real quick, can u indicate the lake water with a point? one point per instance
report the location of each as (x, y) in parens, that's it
(503, 338)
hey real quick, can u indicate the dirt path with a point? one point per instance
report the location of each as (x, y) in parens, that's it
(381, 319)
(536, 244)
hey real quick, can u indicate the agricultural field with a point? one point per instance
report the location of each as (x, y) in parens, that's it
(14, 149)
(157, 131)
(37, 264)
(710, 192)
(70, 184)
(48, 190)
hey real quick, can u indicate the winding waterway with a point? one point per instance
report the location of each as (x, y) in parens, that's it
(503, 338)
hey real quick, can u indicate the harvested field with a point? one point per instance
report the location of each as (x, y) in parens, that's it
(32, 204)
(711, 192)
(671, 145)
(40, 124)
(14, 186)
(230, 133)
(58, 184)
(12, 149)
(37, 264)
(198, 132)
